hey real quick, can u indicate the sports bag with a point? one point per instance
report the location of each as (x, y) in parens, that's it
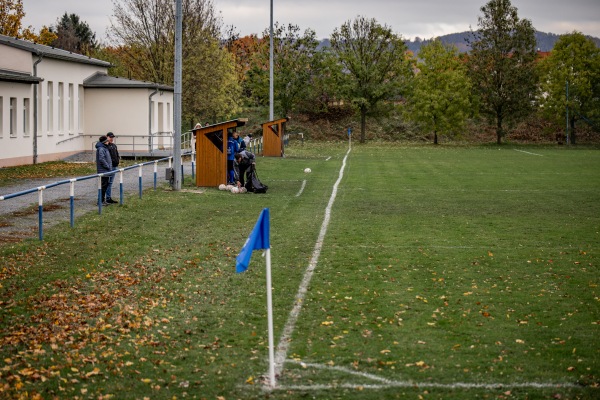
(253, 184)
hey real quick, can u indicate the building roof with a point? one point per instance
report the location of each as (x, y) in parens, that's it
(102, 80)
(12, 76)
(51, 52)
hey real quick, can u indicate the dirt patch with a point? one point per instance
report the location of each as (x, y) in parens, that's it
(34, 210)
(17, 236)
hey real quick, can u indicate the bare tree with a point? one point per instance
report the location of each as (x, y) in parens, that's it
(145, 30)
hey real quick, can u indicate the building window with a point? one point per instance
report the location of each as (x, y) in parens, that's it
(151, 117)
(71, 109)
(61, 108)
(50, 108)
(13, 117)
(1, 117)
(80, 110)
(26, 113)
(169, 121)
(39, 110)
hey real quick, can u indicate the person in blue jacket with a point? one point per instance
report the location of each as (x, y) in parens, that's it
(103, 165)
(232, 148)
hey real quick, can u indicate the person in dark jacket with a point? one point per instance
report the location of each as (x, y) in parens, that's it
(103, 165)
(242, 163)
(232, 149)
(114, 156)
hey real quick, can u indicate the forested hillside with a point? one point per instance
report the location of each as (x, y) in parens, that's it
(545, 41)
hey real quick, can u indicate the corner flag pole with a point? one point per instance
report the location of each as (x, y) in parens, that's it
(260, 239)
(270, 320)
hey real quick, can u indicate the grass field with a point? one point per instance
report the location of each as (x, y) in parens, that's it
(445, 272)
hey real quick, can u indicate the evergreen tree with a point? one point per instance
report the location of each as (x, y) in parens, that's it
(74, 35)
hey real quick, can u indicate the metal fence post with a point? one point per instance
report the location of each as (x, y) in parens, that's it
(121, 186)
(41, 211)
(140, 179)
(72, 201)
(100, 194)
(155, 173)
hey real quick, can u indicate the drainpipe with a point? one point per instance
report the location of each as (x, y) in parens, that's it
(150, 119)
(35, 108)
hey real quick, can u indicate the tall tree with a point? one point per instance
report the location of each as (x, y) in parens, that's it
(440, 99)
(11, 23)
(11, 16)
(74, 35)
(244, 51)
(293, 56)
(501, 64)
(375, 61)
(144, 30)
(573, 65)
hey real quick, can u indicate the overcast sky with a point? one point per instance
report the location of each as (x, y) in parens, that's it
(409, 18)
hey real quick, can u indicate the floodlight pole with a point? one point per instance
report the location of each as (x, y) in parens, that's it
(271, 67)
(177, 99)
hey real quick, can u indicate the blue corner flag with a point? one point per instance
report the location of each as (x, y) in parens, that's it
(258, 239)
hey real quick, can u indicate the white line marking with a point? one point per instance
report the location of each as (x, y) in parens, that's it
(301, 188)
(410, 384)
(533, 154)
(288, 329)
(328, 158)
(342, 369)
(387, 383)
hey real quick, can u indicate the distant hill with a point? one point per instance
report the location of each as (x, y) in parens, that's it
(545, 41)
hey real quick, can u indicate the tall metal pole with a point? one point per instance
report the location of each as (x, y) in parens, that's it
(271, 67)
(177, 99)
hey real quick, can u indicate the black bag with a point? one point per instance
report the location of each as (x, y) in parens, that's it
(253, 184)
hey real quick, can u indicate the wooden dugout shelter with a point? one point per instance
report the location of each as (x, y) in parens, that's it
(273, 132)
(211, 152)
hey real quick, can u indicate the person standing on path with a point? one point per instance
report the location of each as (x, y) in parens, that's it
(103, 165)
(114, 156)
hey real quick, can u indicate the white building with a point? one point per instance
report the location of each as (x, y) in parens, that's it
(54, 103)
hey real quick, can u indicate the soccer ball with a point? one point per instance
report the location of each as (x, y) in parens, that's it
(222, 186)
(228, 188)
(307, 170)
(243, 190)
(235, 189)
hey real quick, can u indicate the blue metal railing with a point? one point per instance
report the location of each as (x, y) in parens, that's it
(72, 181)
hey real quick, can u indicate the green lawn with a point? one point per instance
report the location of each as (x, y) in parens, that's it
(445, 272)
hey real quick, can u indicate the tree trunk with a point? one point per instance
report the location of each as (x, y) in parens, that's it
(363, 123)
(498, 129)
(435, 140)
(573, 135)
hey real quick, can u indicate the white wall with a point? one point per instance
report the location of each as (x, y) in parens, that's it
(128, 110)
(86, 114)
(53, 141)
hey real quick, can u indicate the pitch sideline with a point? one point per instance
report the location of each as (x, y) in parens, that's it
(288, 329)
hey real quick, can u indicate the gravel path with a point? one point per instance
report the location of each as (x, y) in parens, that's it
(19, 215)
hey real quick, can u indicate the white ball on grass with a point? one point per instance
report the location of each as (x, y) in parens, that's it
(235, 189)
(222, 186)
(307, 170)
(228, 188)
(243, 190)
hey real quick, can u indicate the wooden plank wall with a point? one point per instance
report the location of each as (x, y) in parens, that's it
(273, 132)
